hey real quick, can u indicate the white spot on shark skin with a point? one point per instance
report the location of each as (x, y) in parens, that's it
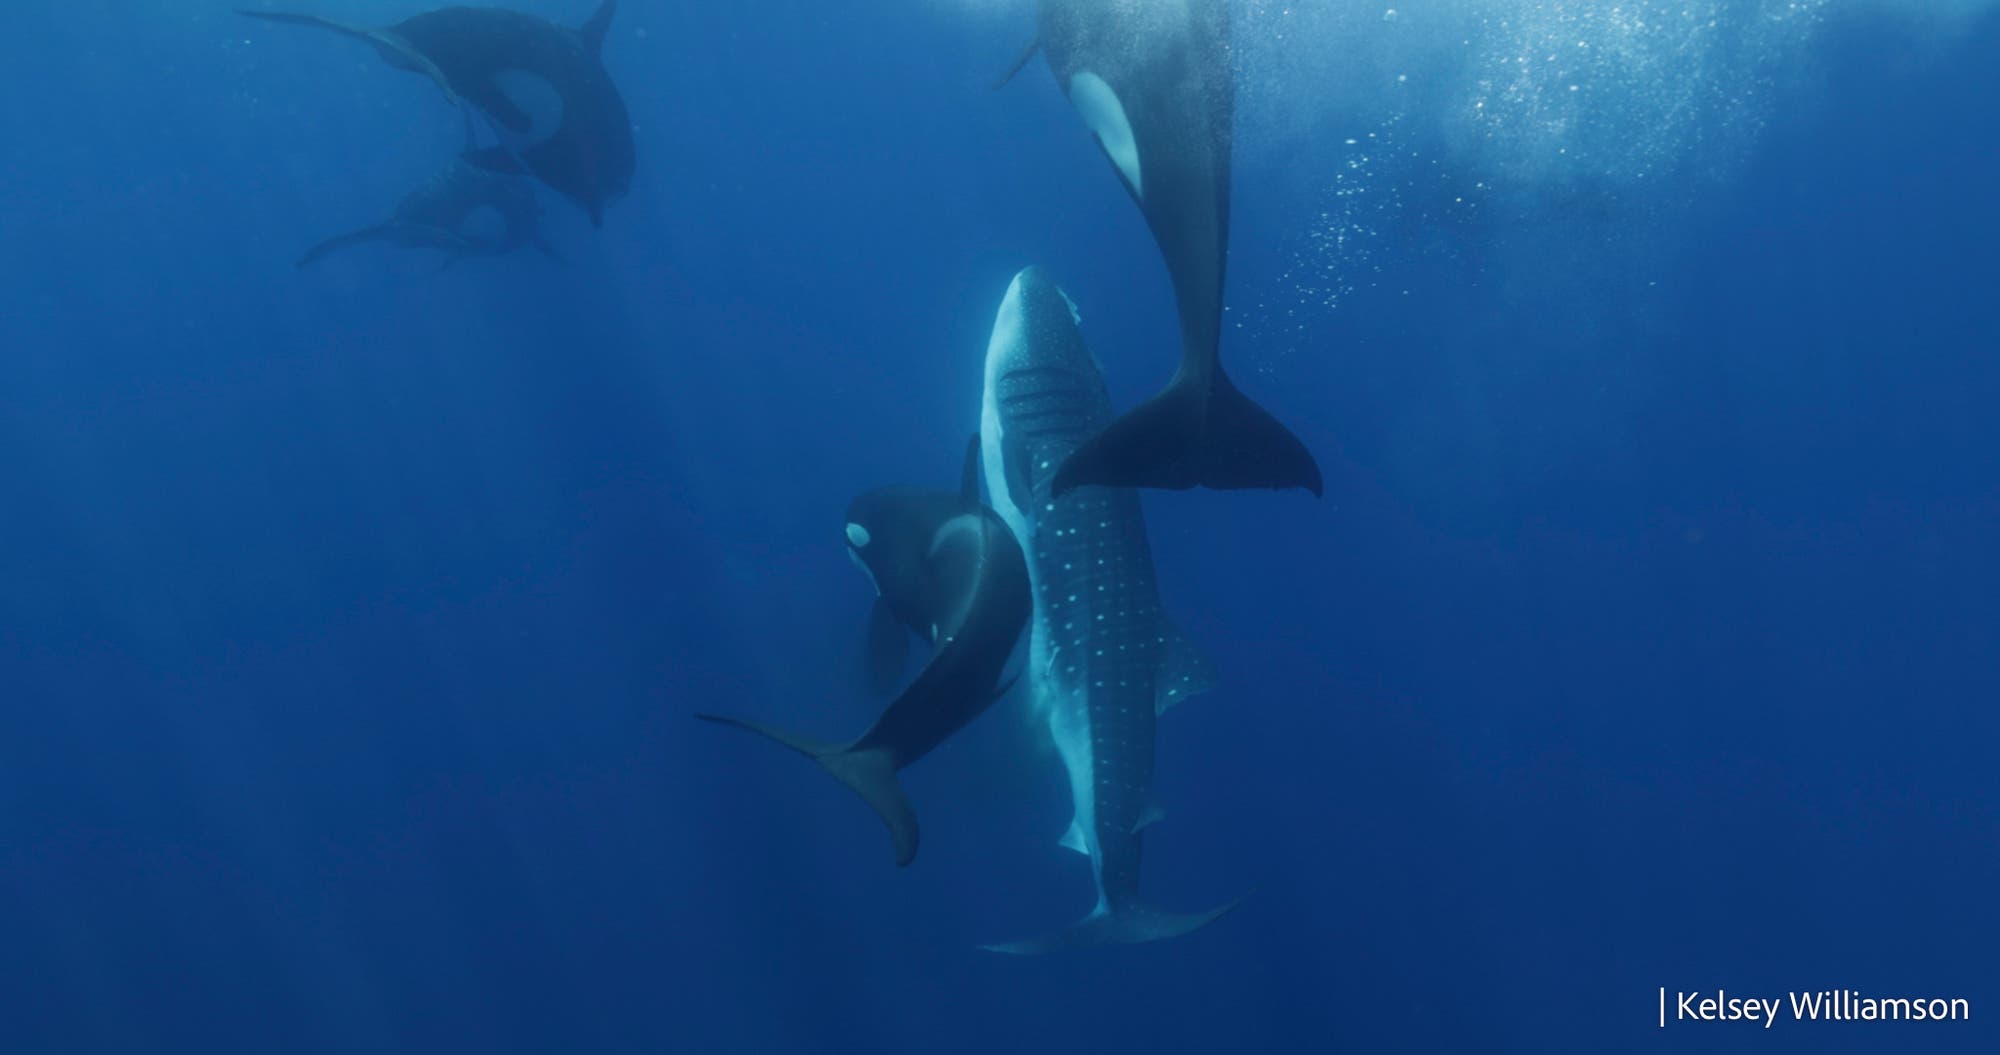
(1101, 111)
(535, 97)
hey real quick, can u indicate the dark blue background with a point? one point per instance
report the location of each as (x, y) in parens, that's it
(351, 620)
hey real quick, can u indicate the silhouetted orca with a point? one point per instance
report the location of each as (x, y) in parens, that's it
(463, 211)
(1153, 82)
(543, 86)
(948, 567)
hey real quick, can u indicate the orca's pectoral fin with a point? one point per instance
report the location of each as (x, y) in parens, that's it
(870, 772)
(1026, 54)
(1192, 435)
(1129, 925)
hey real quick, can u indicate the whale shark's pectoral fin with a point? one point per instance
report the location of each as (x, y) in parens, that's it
(1126, 925)
(1153, 815)
(1183, 670)
(1196, 433)
(1026, 54)
(870, 772)
(593, 31)
(393, 48)
(888, 649)
(1074, 839)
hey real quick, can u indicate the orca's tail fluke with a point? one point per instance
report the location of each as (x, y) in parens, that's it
(393, 48)
(871, 772)
(1192, 435)
(1134, 923)
(343, 241)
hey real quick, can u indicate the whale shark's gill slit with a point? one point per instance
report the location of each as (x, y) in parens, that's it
(1068, 431)
(1013, 400)
(1030, 417)
(1021, 373)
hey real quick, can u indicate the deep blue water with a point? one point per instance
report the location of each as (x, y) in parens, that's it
(352, 619)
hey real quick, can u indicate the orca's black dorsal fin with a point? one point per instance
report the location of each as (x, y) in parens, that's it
(593, 31)
(968, 481)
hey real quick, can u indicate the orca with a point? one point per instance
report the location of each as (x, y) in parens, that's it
(948, 567)
(463, 211)
(542, 86)
(1104, 661)
(1154, 85)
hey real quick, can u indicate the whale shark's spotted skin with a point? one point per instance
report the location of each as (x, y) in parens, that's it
(1103, 660)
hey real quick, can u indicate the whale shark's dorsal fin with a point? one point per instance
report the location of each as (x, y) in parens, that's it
(1026, 54)
(968, 480)
(593, 31)
(1183, 670)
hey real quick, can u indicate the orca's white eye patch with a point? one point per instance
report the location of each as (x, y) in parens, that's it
(857, 536)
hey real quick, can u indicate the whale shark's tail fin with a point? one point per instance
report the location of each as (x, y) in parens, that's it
(871, 772)
(1192, 435)
(1135, 922)
(393, 48)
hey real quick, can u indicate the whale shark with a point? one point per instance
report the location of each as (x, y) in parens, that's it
(1153, 83)
(463, 211)
(541, 86)
(1103, 659)
(947, 567)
